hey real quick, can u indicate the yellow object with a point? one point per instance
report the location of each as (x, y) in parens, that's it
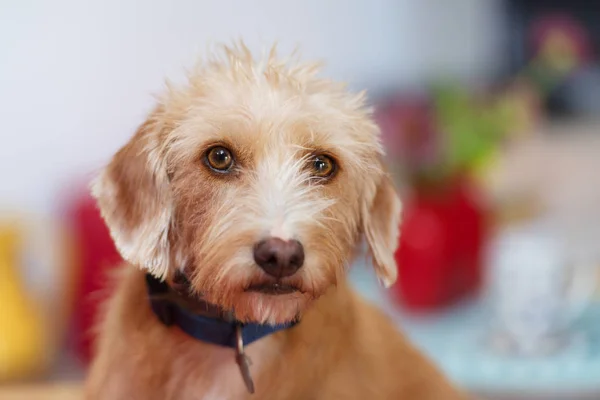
(22, 339)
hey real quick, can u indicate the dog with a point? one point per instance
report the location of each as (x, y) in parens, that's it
(238, 205)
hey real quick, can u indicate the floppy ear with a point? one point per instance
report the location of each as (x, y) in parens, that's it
(134, 199)
(381, 220)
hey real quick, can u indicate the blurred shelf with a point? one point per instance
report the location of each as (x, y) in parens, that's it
(53, 391)
(64, 380)
(456, 341)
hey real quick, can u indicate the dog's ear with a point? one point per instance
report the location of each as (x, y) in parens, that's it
(381, 220)
(134, 199)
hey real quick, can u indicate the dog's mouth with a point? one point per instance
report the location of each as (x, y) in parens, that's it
(275, 288)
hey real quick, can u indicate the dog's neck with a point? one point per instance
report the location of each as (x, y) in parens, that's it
(174, 305)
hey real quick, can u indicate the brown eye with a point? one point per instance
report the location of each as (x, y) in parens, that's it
(219, 159)
(322, 166)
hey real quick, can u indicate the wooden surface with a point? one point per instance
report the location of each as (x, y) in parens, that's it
(55, 391)
(556, 165)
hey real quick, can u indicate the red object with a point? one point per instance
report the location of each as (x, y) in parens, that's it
(569, 28)
(96, 255)
(440, 251)
(409, 130)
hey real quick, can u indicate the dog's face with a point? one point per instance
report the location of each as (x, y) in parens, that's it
(258, 183)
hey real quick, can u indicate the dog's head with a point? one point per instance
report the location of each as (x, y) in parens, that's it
(258, 182)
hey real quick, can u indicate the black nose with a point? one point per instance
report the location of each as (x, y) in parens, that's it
(279, 258)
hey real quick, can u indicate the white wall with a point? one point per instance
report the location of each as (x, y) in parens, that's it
(459, 37)
(76, 76)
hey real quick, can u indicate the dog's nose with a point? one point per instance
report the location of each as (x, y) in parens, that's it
(279, 258)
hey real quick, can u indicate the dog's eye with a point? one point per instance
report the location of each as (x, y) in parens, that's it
(219, 159)
(322, 166)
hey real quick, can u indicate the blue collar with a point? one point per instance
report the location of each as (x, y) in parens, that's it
(220, 331)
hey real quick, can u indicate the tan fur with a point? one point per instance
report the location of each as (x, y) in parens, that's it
(166, 210)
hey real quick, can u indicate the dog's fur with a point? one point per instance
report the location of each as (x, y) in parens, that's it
(167, 210)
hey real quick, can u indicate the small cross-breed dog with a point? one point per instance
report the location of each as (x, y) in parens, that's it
(239, 204)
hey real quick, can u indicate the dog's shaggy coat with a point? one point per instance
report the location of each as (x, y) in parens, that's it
(169, 211)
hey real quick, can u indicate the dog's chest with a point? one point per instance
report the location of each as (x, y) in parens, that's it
(212, 373)
(225, 382)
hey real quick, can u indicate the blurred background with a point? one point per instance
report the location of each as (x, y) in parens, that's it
(490, 114)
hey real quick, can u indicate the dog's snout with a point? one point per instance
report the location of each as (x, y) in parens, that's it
(279, 258)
